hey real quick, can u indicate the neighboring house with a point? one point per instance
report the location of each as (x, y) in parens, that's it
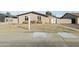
(63, 21)
(35, 17)
(2, 17)
(8, 19)
(11, 19)
(74, 17)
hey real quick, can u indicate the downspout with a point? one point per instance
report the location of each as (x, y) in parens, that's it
(49, 19)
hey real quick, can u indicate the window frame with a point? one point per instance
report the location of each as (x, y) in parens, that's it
(26, 18)
(39, 18)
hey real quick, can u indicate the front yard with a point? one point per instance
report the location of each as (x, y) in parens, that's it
(45, 28)
(52, 28)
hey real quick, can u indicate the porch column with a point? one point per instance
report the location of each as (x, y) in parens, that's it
(29, 23)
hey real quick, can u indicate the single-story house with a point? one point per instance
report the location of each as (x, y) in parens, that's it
(35, 17)
(74, 17)
(6, 19)
(11, 19)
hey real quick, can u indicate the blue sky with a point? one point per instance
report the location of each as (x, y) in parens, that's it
(56, 13)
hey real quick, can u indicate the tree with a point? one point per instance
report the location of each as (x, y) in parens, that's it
(48, 13)
(8, 14)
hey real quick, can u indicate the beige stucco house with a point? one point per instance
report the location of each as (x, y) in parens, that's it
(8, 19)
(36, 18)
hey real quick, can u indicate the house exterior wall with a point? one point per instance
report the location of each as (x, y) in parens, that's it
(53, 20)
(9, 20)
(63, 21)
(33, 17)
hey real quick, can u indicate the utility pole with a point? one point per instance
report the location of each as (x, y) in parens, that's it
(29, 23)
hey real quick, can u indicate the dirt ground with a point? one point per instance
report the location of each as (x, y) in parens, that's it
(41, 28)
(34, 27)
(18, 35)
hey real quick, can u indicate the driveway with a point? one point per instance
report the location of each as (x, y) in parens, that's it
(72, 25)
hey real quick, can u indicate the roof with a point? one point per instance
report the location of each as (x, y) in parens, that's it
(36, 13)
(11, 16)
(74, 14)
(33, 13)
(4, 15)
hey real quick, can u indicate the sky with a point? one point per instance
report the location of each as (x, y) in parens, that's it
(55, 13)
(59, 7)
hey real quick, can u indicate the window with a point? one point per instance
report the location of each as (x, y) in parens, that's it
(39, 18)
(26, 18)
